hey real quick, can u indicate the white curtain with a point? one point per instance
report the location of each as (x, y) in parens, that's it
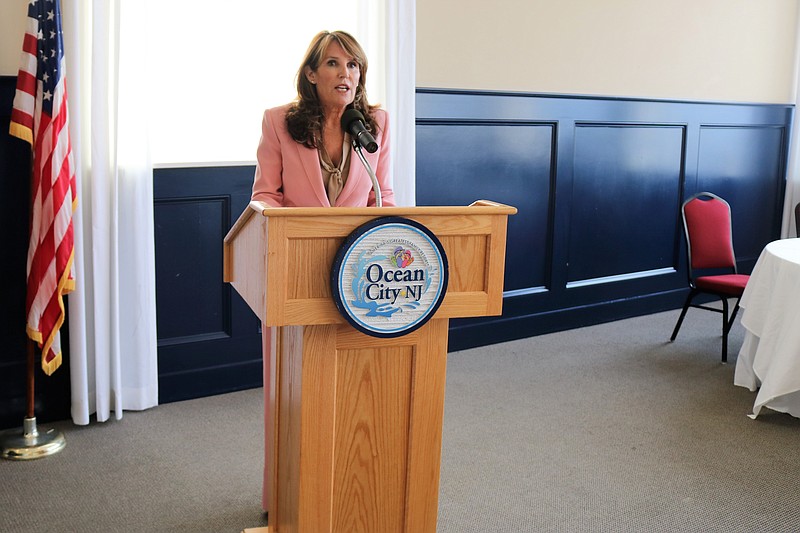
(792, 196)
(400, 58)
(387, 30)
(112, 318)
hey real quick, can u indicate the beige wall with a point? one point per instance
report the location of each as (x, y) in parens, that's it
(727, 50)
(12, 28)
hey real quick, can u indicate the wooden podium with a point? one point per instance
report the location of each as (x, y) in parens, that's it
(354, 428)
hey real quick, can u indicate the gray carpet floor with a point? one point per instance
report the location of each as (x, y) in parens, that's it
(606, 428)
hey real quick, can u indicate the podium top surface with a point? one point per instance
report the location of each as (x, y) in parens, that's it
(483, 206)
(266, 210)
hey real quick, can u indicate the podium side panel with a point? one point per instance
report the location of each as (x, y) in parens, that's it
(246, 263)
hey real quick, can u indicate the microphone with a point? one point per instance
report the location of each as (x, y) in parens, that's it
(353, 123)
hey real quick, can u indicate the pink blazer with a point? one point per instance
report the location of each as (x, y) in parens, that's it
(288, 174)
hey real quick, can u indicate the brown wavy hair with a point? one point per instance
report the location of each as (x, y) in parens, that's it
(304, 117)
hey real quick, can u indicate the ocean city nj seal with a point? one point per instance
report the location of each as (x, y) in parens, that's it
(389, 276)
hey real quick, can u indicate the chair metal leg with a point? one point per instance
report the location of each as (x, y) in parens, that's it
(725, 329)
(733, 315)
(689, 297)
(727, 325)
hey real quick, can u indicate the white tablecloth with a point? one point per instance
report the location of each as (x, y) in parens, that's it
(769, 359)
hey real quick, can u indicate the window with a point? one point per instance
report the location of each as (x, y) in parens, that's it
(215, 67)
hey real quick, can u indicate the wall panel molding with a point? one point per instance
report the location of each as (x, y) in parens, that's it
(619, 169)
(188, 270)
(505, 160)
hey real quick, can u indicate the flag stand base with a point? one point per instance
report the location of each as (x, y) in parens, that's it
(29, 443)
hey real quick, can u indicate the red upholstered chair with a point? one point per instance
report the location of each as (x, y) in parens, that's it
(712, 263)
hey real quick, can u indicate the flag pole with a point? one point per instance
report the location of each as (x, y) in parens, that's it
(31, 380)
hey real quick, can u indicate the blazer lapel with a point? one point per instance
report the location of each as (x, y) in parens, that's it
(310, 161)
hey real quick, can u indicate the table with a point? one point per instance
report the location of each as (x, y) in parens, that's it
(769, 360)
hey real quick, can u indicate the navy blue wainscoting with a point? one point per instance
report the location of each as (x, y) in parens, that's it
(209, 341)
(598, 183)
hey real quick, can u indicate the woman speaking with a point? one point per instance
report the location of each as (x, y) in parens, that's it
(305, 157)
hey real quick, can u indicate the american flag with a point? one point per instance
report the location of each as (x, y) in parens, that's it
(39, 116)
